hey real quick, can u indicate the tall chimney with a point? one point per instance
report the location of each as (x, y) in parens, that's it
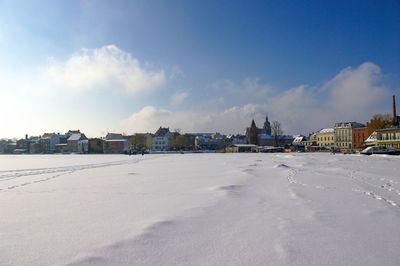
(394, 108)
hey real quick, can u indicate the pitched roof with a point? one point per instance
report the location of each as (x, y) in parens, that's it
(372, 138)
(162, 131)
(47, 135)
(326, 130)
(114, 136)
(75, 137)
(70, 132)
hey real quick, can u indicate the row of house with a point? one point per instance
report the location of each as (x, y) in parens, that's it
(348, 136)
(47, 143)
(344, 136)
(75, 141)
(351, 136)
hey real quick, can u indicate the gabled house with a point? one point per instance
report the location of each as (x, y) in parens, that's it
(326, 138)
(161, 140)
(73, 142)
(48, 142)
(115, 143)
(110, 136)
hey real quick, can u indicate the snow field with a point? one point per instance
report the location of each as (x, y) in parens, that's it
(200, 209)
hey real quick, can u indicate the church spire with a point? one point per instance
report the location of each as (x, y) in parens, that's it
(252, 133)
(253, 124)
(267, 126)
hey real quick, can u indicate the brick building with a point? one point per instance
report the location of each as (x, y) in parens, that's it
(359, 136)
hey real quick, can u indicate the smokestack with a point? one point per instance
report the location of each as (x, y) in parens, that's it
(394, 108)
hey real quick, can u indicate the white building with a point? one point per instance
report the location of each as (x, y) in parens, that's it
(161, 143)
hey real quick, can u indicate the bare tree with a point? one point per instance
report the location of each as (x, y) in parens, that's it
(277, 132)
(379, 121)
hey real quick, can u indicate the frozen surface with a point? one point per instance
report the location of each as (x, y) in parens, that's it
(200, 209)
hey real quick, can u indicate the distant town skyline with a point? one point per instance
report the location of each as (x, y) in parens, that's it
(207, 66)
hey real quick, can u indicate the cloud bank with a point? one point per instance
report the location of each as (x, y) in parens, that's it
(149, 118)
(50, 91)
(354, 94)
(107, 66)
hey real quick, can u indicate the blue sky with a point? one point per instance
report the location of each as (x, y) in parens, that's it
(132, 66)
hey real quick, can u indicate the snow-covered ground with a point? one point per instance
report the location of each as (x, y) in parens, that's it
(200, 209)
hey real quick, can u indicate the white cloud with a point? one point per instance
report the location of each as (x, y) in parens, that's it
(356, 89)
(107, 66)
(231, 120)
(352, 95)
(178, 98)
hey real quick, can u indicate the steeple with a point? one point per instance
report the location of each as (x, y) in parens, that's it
(253, 124)
(252, 133)
(267, 126)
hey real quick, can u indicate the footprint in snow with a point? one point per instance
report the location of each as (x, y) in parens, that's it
(281, 165)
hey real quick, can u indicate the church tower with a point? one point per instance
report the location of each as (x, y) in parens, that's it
(252, 133)
(267, 127)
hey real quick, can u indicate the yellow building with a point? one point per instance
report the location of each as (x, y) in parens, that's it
(141, 141)
(325, 137)
(149, 141)
(389, 137)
